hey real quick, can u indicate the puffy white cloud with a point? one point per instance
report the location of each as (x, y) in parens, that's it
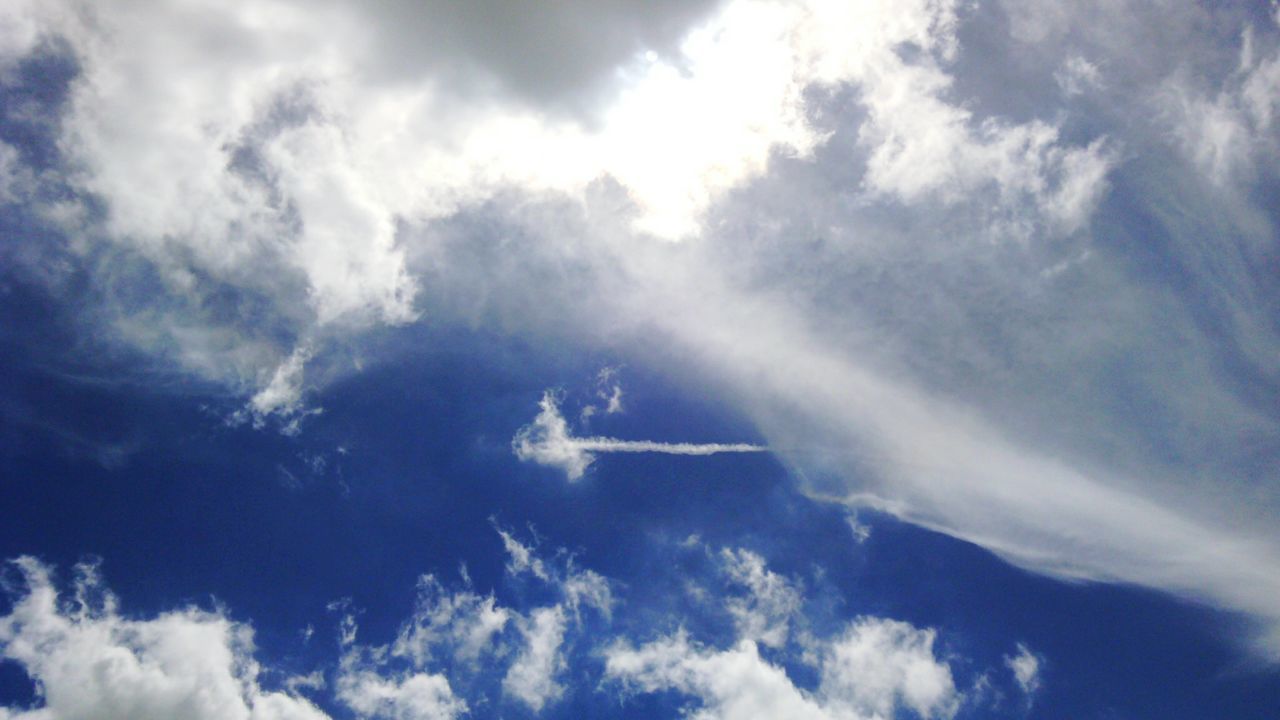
(734, 684)
(764, 613)
(870, 669)
(546, 441)
(88, 661)
(924, 146)
(460, 623)
(474, 635)
(417, 696)
(280, 148)
(459, 651)
(531, 678)
(521, 558)
(283, 394)
(608, 393)
(874, 668)
(1025, 666)
(878, 665)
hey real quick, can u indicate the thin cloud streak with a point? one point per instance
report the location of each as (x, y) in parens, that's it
(547, 441)
(604, 444)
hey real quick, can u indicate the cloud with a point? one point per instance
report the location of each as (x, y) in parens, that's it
(873, 668)
(764, 613)
(849, 180)
(419, 696)
(1025, 666)
(861, 438)
(475, 637)
(266, 154)
(547, 441)
(461, 624)
(461, 653)
(1225, 132)
(608, 392)
(87, 660)
(868, 668)
(531, 678)
(1077, 76)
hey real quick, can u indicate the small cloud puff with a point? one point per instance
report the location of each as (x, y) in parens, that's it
(1025, 666)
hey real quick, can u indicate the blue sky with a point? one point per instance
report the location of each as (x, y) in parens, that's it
(740, 359)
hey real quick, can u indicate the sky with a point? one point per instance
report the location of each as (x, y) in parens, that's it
(718, 359)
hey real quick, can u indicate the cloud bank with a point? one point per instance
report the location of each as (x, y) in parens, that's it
(462, 652)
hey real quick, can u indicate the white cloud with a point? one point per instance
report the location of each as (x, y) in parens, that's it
(868, 670)
(764, 614)
(734, 684)
(1077, 76)
(283, 394)
(608, 392)
(878, 665)
(521, 558)
(1226, 129)
(874, 668)
(462, 624)
(1025, 666)
(417, 696)
(531, 678)
(280, 147)
(474, 635)
(453, 655)
(88, 661)
(547, 441)
(860, 436)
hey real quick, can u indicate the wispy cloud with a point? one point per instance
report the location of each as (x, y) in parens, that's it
(547, 441)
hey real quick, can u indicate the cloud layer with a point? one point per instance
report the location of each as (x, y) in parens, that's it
(462, 653)
(999, 269)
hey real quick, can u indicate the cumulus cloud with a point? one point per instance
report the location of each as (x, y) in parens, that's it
(88, 660)
(418, 696)
(282, 149)
(547, 441)
(474, 635)
(460, 623)
(1025, 666)
(762, 615)
(461, 653)
(531, 678)
(872, 669)
(869, 668)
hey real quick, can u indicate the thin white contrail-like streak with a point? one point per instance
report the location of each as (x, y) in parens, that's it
(603, 444)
